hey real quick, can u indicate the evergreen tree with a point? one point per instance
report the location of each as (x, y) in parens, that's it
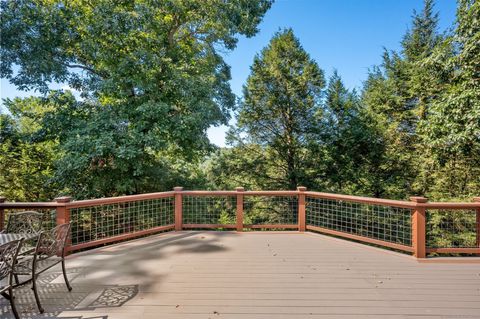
(281, 98)
(452, 130)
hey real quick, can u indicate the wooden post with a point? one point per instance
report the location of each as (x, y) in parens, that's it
(2, 213)
(63, 217)
(63, 213)
(477, 199)
(419, 228)
(301, 209)
(240, 191)
(178, 208)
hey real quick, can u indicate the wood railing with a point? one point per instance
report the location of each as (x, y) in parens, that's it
(416, 226)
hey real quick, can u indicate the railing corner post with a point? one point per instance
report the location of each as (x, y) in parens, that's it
(63, 213)
(63, 216)
(239, 216)
(301, 209)
(419, 227)
(477, 199)
(2, 213)
(178, 208)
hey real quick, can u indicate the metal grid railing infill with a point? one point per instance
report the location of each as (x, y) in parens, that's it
(385, 223)
(270, 210)
(109, 220)
(209, 210)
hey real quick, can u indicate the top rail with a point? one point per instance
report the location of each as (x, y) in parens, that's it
(119, 199)
(349, 198)
(16, 205)
(234, 193)
(364, 200)
(447, 205)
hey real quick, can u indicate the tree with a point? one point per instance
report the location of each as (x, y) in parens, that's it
(26, 161)
(281, 97)
(150, 75)
(397, 94)
(452, 129)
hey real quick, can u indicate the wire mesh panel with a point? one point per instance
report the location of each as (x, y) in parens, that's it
(386, 223)
(451, 229)
(103, 221)
(213, 210)
(270, 210)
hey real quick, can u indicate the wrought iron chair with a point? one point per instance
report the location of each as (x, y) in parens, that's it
(29, 222)
(8, 260)
(50, 251)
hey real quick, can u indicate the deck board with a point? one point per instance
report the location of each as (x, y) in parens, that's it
(253, 275)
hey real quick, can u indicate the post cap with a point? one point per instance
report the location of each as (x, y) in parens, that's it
(178, 188)
(476, 199)
(3, 199)
(301, 188)
(239, 189)
(418, 199)
(63, 199)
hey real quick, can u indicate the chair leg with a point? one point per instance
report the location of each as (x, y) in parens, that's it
(35, 292)
(65, 275)
(12, 303)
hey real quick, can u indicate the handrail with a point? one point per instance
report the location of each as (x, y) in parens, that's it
(349, 198)
(15, 205)
(364, 200)
(414, 213)
(119, 199)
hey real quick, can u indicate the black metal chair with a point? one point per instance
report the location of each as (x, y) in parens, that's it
(50, 251)
(28, 222)
(8, 260)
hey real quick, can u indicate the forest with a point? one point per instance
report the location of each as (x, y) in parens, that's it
(152, 80)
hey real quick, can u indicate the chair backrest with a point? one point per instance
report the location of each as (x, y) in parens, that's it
(52, 242)
(8, 258)
(28, 222)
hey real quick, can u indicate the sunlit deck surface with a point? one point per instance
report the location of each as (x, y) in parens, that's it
(253, 275)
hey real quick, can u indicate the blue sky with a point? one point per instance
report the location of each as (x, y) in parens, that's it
(347, 35)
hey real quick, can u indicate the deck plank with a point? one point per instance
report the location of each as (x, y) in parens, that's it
(253, 275)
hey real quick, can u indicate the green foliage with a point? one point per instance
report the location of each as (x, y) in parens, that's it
(26, 162)
(150, 76)
(281, 97)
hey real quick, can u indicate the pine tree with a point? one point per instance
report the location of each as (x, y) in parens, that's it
(281, 98)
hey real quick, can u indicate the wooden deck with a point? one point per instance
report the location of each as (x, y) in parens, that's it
(253, 275)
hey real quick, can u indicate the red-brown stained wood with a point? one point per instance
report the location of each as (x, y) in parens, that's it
(301, 208)
(419, 228)
(178, 208)
(23, 205)
(447, 250)
(2, 213)
(63, 213)
(239, 216)
(119, 199)
(363, 200)
(477, 200)
(360, 238)
(456, 206)
(63, 216)
(120, 237)
(272, 226)
(209, 226)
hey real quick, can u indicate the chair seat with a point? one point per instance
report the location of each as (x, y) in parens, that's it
(24, 265)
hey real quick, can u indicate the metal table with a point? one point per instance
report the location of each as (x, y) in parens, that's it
(8, 237)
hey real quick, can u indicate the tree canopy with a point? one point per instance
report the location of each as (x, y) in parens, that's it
(150, 76)
(151, 79)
